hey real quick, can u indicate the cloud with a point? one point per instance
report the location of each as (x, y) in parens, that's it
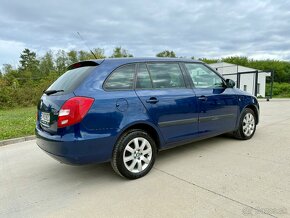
(212, 29)
(10, 51)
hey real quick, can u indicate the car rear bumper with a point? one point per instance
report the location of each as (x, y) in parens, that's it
(76, 151)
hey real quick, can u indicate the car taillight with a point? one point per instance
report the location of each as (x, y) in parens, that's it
(73, 111)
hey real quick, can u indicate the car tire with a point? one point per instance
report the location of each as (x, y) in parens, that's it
(134, 154)
(247, 125)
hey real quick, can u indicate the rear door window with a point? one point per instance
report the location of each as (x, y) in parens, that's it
(143, 78)
(71, 79)
(166, 75)
(121, 79)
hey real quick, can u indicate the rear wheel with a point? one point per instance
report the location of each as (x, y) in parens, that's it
(134, 154)
(247, 125)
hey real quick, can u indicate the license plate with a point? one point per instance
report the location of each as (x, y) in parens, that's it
(45, 118)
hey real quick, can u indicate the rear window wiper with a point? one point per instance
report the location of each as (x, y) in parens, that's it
(50, 92)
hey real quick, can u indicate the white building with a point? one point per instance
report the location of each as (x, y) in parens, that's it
(247, 79)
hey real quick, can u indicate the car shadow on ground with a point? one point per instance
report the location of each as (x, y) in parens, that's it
(104, 171)
(194, 147)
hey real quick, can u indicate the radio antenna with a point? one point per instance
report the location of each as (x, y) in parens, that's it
(86, 45)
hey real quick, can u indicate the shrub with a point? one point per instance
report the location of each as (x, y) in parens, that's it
(279, 89)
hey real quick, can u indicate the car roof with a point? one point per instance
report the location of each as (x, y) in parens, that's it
(138, 60)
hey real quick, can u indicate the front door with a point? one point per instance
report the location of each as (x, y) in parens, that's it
(218, 105)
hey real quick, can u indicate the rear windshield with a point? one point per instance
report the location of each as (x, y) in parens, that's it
(71, 79)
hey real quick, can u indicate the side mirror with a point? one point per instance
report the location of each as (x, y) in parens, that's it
(230, 83)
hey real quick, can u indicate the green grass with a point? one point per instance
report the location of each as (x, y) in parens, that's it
(17, 122)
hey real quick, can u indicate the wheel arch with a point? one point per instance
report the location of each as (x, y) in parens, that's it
(256, 111)
(149, 128)
(254, 108)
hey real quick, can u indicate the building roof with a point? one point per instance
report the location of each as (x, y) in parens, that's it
(227, 68)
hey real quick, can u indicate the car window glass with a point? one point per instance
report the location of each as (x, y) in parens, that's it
(203, 77)
(143, 78)
(166, 75)
(71, 79)
(121, 79)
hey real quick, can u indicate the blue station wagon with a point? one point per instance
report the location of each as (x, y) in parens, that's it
(126, 110)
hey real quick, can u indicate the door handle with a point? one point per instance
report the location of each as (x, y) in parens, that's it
(202, 98)
(152, 100)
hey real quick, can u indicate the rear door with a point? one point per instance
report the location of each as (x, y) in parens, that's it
(218, 105)
(171, 105)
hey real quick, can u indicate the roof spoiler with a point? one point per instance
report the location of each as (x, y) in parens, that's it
(84, 64)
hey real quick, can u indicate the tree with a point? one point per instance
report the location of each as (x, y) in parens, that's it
(239, 60)
(61, 62)
(208, 61)
(166, 53)
(47, 63)
(84, 55)
(72, 56)
(7, 68)
(119, 52)
(28, 62)
(10, 75)
(99, 53)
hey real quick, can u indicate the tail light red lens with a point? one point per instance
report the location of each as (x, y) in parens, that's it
(73, 111)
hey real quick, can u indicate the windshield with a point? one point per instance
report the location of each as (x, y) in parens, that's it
(71, 79)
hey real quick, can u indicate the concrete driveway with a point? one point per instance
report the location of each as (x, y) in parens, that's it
(218, 177)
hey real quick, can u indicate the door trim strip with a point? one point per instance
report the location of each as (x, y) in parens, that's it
(178, 122)
(194, 120)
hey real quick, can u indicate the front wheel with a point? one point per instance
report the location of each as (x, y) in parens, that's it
(134, 154)
(247, 125)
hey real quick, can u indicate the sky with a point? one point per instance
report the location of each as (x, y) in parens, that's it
(259, 29)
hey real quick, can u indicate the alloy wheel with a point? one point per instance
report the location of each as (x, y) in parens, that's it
(137, 155)
(248, 124)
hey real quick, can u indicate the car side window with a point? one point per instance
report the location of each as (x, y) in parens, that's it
(166, 75)
(121, 79)
(143, 78)
(203, 77)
